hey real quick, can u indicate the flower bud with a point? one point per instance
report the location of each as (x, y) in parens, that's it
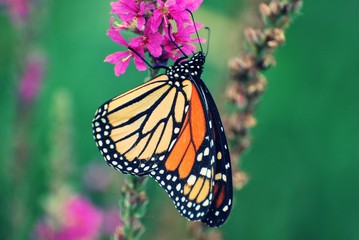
(239, 179)
(265, 10)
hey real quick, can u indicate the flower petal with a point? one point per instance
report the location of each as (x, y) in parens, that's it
(140, 64)
(115, 35)
(193, 4)
(155, 20)
(140, 23)
(115, 57)
(121, 66)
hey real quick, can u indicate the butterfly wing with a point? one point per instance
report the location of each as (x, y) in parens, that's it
(187, 173)
(135, 130)
(223, 188)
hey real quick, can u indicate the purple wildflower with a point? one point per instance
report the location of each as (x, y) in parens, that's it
(79, 219)
(83, 220)
(18, 10)
(173, 9)
(96, 177)
(30, 81)
(151, 21)
(122, 59)
(130, 10)
(183, 35)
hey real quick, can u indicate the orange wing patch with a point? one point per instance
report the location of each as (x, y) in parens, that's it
(190, 138)
(188, 169)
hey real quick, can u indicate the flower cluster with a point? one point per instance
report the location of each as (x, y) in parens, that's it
(158, 25)
(74, 217)
(247, 72)
(30, 82)
(18, 10)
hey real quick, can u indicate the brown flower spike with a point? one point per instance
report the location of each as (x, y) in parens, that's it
(248, 85)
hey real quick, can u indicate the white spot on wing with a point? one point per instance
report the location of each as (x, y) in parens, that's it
(192, 179)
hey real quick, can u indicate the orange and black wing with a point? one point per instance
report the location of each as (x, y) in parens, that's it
(136, 130)
(223, 188)
(187, 174)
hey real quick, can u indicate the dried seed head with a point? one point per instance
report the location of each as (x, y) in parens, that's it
(195, 228)
(266, 62)
(257, 87)
(239, 179)
(277, 35)
(235, 126)
(240, 67)
(248, 120)
(214, 235)
(265, 10)
(142, 197)
(119, 233)
(272, 44)
(274, 7)
(235, 94)
(253, 36)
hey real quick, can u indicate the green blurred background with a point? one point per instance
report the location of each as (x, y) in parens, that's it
(304, 160)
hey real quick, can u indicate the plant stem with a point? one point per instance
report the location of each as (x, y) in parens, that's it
(249, 84)
(133, 201)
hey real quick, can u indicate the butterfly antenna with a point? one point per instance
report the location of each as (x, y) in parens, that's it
(195, 28)
(174, 43)
(143, 59)
(208, 37)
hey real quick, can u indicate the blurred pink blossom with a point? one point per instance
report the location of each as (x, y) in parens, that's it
(96, 177)
(80, 220)
(111, 221)
(18, 10)
(31, 79)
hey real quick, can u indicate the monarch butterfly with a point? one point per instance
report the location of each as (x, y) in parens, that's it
(169, 128)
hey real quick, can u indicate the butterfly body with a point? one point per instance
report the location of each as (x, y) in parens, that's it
(169, 128)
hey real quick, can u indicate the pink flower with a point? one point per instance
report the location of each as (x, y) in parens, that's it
(183, 37)
(18, 10)
(31, 80)
(44, 231)
(111, 221)
(81, 220)
(154, 19)
(122, 59)
(173, 9)
(152, 41)
(128, 10)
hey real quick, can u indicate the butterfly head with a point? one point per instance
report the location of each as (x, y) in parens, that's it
(195, 64)
(187, 69)
(199, 57)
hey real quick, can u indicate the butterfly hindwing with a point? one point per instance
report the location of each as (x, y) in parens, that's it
(223, 188)
(134, 130)
(187, 173)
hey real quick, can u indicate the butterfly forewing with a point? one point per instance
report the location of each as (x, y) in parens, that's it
(134, 130)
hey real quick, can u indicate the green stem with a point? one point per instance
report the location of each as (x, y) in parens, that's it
(133, 201)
